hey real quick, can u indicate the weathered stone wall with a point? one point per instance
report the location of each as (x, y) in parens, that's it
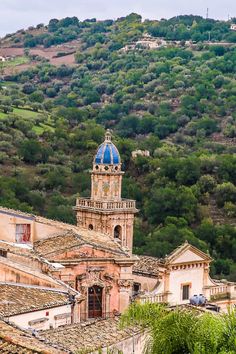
(15, 273)
(147, 283)
(50, 318)
(38, 230)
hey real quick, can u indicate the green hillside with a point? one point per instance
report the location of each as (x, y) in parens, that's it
(176, 101)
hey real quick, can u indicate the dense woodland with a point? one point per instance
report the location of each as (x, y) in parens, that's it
(178, 102)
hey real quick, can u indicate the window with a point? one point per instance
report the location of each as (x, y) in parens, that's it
(117, 232)
(22, 233)
(3, 253)
(136, 288)
(185, 292)
(95, 302)
(90, 227)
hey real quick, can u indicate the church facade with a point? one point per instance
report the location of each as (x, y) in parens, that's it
(95, 260)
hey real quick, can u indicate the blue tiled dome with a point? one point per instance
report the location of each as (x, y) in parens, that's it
(107, 152)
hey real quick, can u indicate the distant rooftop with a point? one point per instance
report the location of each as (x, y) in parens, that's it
(90, 335)
(16, 341)
(146, 265)
(17, 299)
(77, 235)
(69, 240)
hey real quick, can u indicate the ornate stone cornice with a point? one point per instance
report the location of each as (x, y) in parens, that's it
(125, 284)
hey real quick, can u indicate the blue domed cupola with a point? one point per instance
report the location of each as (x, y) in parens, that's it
(107, 153)
(106, 174)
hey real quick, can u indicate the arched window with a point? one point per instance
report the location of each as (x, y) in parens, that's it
(117, 232)
(90, 227)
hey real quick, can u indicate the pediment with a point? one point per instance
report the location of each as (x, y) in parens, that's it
(188, 256)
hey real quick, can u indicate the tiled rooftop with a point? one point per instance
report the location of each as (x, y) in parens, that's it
(146, 265)
(78, 236)
(17, 267)
(72, 239)
(88, 336)
(15, 341)
(24, 250)
(17, 299)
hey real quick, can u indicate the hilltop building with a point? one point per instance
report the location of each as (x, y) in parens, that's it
(143, 153)
(88, 272)
(146, 42)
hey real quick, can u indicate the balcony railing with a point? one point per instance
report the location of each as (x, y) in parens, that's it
(158, 298)
(220, 289)
(86, 203)
(219, 292)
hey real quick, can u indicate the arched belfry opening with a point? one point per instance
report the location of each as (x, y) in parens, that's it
(118, 232)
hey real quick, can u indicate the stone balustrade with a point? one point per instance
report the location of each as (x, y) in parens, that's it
(222, 291)
(219, 289)
(88, 203)
(158, 298)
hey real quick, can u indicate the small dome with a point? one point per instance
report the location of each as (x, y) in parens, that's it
(107, 153)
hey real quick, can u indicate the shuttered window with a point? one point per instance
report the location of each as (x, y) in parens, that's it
(23, 233)
(185, 293)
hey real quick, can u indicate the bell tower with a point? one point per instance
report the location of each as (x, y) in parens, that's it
(106, 211)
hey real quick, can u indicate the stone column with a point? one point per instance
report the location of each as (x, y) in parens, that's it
(125, 289)
(76, 317)
(167, 286)
(107, 301)
(206, 274)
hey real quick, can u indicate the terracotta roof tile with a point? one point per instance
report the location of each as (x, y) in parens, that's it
(24, 250)
(17, 299)
(91, 335)
(37, 274)
(93, 238)
(15, 341)
(147, 265)
(71, 239)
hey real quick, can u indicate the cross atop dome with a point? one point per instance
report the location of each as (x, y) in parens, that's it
(108, 135)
